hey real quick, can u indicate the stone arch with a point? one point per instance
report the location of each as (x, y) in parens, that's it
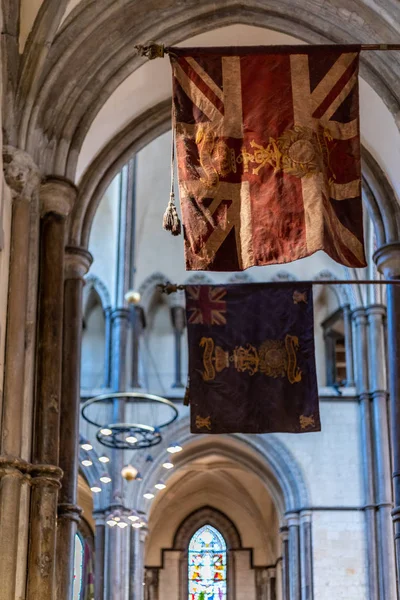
(94, 282)
(86, 75)
(271, 461)
(206, 516)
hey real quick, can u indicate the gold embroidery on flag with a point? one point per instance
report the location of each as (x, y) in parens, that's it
(306, 422)
(274, 358)
(299, 297)
(203, 422)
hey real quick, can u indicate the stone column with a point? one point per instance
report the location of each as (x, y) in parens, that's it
(362, 385)
(262, 583)
(377, 370)
(152, 582)
(387, 259)
(306, 556)
(285, 563)
(348, 341)
(178, 321)
(99, 550)
(294, 557)
(107, 354)
(56, 197)
(77, 263)
(138, 324)
(23, 178)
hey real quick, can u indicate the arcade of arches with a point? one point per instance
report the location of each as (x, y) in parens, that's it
(86, 173)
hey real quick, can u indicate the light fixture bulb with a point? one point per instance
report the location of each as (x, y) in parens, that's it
(137, 525)
(133, 517)
(132, 297)
(106, 431)
(111, 523)
(96, 489)
(148, 495)
(131, 439)
(129, 472)
(122, 524)
(174, 448)
(87, 447)
(105, 479)
(104, 459)
(160, 486)
(168, 465)
(87, 462)
(117, 519)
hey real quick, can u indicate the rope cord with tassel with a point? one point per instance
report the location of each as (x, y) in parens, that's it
(171, 221)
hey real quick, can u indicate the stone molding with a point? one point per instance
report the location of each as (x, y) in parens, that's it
(21, 173)
(57, 195)
(387, 259)
(36, 474)
(71, 512)
(77, 262)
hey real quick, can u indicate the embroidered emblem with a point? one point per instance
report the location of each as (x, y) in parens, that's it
(202, 422)
(274, 358)
(306, 422)
(299, 297)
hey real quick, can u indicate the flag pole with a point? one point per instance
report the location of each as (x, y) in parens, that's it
(171, 288)
(151, 50)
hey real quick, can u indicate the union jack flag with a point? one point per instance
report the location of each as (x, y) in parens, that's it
(205, 305)
(268, 154)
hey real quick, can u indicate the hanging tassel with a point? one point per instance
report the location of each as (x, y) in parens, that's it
(171, 220)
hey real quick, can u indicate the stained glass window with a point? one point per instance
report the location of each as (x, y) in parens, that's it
(207, 565)
(78, 567)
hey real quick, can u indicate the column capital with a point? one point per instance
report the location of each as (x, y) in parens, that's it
(72, 512)
(57, 195)
(359, 315)
(292, 519)
(77, 262)
(387, 260)
(22, 175)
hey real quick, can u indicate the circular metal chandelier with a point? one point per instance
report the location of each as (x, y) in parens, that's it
(129, 435)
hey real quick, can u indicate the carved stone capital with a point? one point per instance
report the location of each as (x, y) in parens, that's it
(57, 196)
(77, 262)
(11, 466)
(20, 172)
(70, 512)
(46, 475)
(387, 259)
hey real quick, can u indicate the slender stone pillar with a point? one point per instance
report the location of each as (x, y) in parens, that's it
(77, 263)
(362, 385)
(306, 556)
(294, 557)
(262, 584)
(387, 259)
(348, 340)
(107, 355)
(23, 178)
(138, 324)
(56, 197)
(100, 548)
(285, 563)
(384, 501)
(178, 322)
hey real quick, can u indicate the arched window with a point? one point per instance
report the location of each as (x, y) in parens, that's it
(78, 567)
(207, 565)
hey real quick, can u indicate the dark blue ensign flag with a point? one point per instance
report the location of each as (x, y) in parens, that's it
(252, 358)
